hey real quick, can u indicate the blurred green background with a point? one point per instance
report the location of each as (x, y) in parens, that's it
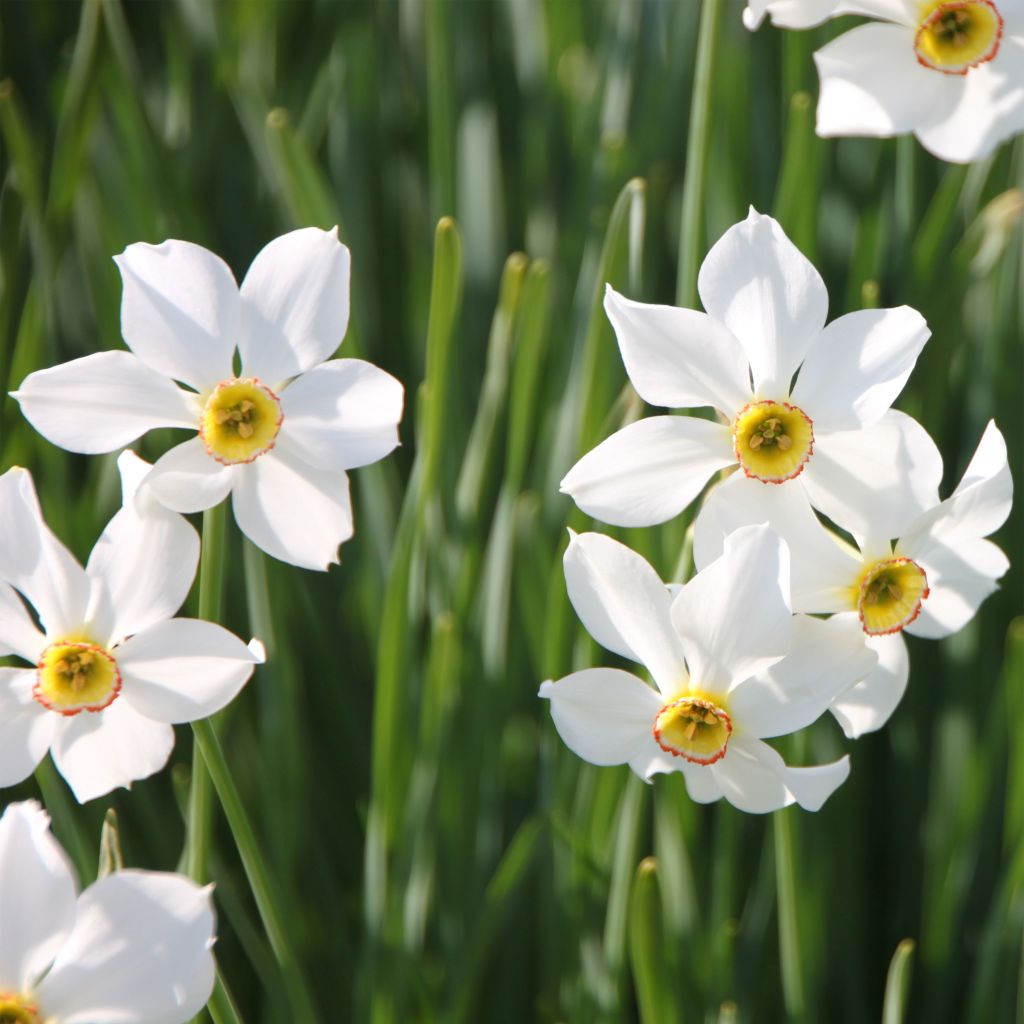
(438, 854)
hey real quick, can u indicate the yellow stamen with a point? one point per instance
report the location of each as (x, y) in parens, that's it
(241, 421)
(15, 1009)
(954, 36)
(772, 441)
(74, 676)
(888, 595)
(693, 728)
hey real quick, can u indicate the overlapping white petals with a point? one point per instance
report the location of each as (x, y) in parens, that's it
(734, 617)
(343, 414)
(26, 727)
(624, 606)
(759, 285)
(649, 471)
(185, 669)
(37, 896)
(295, 305)
(186, 479)
(808, 13)
(292, 510)
(180, 311)
(139, 953)
(875, 480)
(102, 402)
(869, 704)
(678, 358)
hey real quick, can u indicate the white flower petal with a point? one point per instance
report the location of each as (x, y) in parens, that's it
(650, 471)
(868, 705)
(858, 366)
(18, 633)
(293, 511)
(754, 778)
(102, 402)
(827, 658)
(679, 358)
(33, 561)
(701, 784)
(987, 108)
(734, 615)
(180, 311)
(183, 669)
(147, 559)
(808, 13)
(872, 84)
(875, 481)
(651, 760)
(947, 541)
(37, 895)
(99, 751)
(140, 953)
(343, 414)
(26, 728)
(603, 715)
(767, 293)
(823, 568)
(189, 479)
(295, 304)
(624, 606)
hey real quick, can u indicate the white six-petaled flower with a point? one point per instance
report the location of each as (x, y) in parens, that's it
(929, 583)
(950, 71)
(831, 435)
(133, 948)
(731, 664)
(113, 671)
(278, 434)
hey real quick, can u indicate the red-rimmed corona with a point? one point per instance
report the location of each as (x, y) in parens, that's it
(772, 441)
(693, 728)
(241, 420)
(16, 1009)
(889, 595)
(73, 676)
(957, 35)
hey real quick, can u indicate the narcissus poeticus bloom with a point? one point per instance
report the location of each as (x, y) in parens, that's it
(831, 435)
(950, 71)
(113, 671)
(731, 664)
(278, 433)
(133, 948)
(929, 583)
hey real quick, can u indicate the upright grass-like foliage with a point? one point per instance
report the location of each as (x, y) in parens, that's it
(436, 854)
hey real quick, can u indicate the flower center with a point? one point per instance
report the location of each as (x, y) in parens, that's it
(695, 729)
(890, 594)
(772, 440)
(73, 677)
(957, 35)
(17, 1010)
(240, 421)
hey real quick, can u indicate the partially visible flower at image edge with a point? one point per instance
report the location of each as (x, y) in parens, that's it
(279, 434)
(113, 671)
(731, 666)
(133, 948)
(950, 71)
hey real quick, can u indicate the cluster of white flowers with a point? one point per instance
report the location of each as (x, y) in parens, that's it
(833, 510)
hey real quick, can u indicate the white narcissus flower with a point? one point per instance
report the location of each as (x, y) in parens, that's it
(731, 664)
(279, 434)
(133, 948)
(929, 583)
(113, 670)
(831, 435)
(950, 71)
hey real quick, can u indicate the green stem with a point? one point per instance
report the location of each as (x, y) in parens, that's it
(221, 1006)
(789, 936)
(697, 156)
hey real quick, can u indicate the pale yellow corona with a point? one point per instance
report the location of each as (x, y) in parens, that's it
(693, 728)
(15, 1009)
(889, 595)
(240, 421)
(772, 441)
(74, 676)
(954, 36)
